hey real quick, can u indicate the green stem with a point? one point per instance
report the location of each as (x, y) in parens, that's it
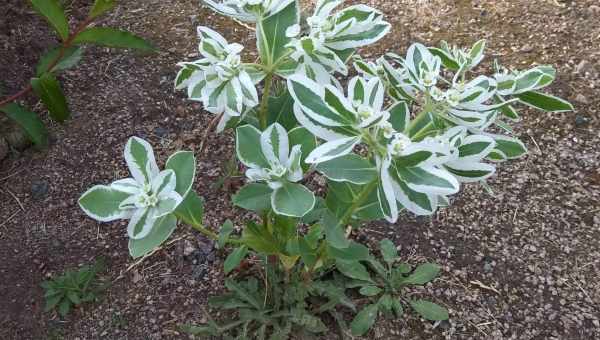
(264, 103)
(212, 235)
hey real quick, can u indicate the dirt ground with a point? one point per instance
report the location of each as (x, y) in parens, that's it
(523, 264)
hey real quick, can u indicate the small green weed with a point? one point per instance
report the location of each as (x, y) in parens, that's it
(73, 288)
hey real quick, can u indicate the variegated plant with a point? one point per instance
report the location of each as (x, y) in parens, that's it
(403, 135)
(148, 199)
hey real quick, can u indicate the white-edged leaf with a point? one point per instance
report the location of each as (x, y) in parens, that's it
(139, 156)
(163, 228)
(102, 202)
(333, 149)
(292, 199)
(349, 168)
(248, 147)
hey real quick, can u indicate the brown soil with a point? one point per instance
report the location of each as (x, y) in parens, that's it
(520, 265)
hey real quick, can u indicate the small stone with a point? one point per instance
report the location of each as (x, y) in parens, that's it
(487, 267)
(39, 190)
(582, 99)
(188, 248)
(161, 131)
(581, 120)
(583, 66)
(527, 49)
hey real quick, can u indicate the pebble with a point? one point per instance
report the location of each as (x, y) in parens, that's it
(527, 48)
(594, 10)
(581, 120)
(39, 190)
(161, 131)
(582, 99)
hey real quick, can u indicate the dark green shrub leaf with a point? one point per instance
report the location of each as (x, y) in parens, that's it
(364, 320)
(64, 307)
(353, 270)
(429, 310)
(48, 89)
(101, 6)
(110, 37)
(54, 13)
(70, 58)
(29, 121)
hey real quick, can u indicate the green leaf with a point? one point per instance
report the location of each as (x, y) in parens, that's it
(101, 6)
(364, 320)
(74, 297)
(301, 136)
(353, 252)
(270, 33)
(52, 301)
(353, 270)
(210, 329)
(191, 209)
(259, 239)
(70, 58)
(370, 290)
(101, 203)
(64, 307)
(397, 307)
(54, 13)
(447, 60)
(184, 165)
(254, 196)
(292, 199)
(281, 111)
(226, 230)
(243, 294)
(349, 168)
(234, 259)
(511, 148)
(29, 121)
(429, 310)
(388, 251)
(423, 274)
(247, 147)
(160, 233)
(110, 37)
(545, 102)
(48, 89)
(334, 233)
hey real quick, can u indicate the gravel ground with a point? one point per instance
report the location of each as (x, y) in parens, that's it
(521, 264)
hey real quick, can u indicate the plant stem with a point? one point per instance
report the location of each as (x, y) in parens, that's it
(66, 45)
(208, 233)
(264, 103)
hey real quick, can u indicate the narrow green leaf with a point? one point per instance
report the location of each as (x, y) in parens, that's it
(429, 310)
(226, 230)
(234, 259)
(101, 6)
(64, 307)
(423, 274)
(370, 290)
(74, 297)
(110, 37)
(545, 102)
(29, 121)
(54, 13)
(271, 35)
(364, 320)
(48, 89)
(70, 58)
